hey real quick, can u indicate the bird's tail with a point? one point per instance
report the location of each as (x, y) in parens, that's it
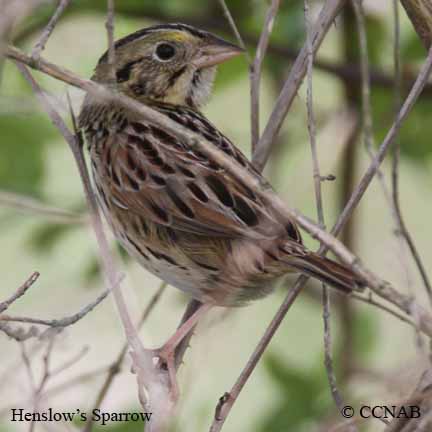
(330, 272)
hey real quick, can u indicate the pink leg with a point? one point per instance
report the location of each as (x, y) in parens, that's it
(166, 353)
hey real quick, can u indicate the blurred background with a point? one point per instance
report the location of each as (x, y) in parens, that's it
(378, 358)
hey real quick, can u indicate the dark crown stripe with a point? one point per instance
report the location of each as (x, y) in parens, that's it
(143, 32)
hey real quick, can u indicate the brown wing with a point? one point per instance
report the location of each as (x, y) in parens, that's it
(154, 174)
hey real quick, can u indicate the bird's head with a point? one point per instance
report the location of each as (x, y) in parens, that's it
(172, 63)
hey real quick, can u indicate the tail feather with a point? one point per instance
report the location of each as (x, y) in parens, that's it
(330, 272)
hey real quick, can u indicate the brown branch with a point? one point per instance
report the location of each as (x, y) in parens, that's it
(234, 28)
(43, 39)
(20, 291)
(115, 367)
(109, 25)
(46, 374)
(30, 205)
(298, 71)
(59, 323)
(371, 301)
(402, 227)
(328, 356)
(227, 401)
(256, 70)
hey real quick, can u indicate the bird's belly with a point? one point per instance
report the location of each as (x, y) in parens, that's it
(224, 284)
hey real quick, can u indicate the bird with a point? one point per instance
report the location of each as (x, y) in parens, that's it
(180, 214)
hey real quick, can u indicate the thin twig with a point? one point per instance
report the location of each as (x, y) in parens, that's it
(63, 322)
(111, 51)
(371, 301)
(30, 205)
(328, 354)
(72, 361)
(298, 71)
(227, 401)
(20, 291)
(402, 227)
(368, 124)
(46, 375)
(235, 30)
(256, 70)
(115, 367)
(43, 39)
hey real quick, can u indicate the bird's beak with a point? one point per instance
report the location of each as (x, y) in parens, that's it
(215, 52)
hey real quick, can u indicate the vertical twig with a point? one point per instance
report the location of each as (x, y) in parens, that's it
(402, 228)
(43, 39)
(111, 48)
(327, 15)
(114, 369)
(46, 374)
(393, 198)
(328, 356)
(256, 70)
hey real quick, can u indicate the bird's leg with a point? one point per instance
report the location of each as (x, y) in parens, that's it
(166, 354)
(181, 348)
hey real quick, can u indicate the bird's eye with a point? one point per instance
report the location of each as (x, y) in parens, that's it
(165, 51)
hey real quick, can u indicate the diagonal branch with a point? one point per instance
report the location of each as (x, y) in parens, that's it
(43, 39)
(30, 205)
(298, 71)
(256, 70)
(19, 292)
(328, 355)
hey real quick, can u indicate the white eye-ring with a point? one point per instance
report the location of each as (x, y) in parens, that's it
(165, 51)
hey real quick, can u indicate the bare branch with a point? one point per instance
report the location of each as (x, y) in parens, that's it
(256, 70)
(401, 224)
(298, 71)
(328, 354)
(115, 367)
(63, 322)
(43, 39)
(371, 301)
(234, 28)
(111, 51)
(30, 205)
(20, 291)
(227, 401)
